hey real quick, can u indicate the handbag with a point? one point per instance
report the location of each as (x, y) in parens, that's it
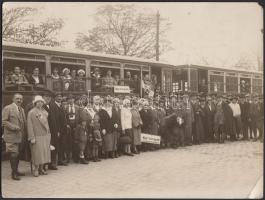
(125, 139)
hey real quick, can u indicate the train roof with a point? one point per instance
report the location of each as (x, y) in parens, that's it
(226, 69)
(14, 45)
(81, 52)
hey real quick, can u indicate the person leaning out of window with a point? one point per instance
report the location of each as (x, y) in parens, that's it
(35, 78)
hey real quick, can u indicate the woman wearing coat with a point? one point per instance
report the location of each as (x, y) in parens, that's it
(116, 118)
(126, 125)
(39, 136)
(107, 127)
(136, 127)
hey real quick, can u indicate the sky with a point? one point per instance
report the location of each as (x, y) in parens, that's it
(219, 34)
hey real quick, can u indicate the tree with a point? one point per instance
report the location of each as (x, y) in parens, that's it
(122, 30)
(17, 27)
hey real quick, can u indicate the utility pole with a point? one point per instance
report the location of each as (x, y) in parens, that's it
(157, 35)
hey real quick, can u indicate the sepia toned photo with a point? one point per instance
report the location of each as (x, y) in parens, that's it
(132, 100)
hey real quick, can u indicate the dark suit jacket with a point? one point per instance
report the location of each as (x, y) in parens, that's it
(146, 117)
(33, 82)
(244, 107)
(57, 122)
(105, 121)
(116, 117)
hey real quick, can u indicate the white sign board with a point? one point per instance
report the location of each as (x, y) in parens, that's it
(147, 138)
(121, 89)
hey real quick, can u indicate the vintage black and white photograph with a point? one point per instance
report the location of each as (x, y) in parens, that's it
(132, 100)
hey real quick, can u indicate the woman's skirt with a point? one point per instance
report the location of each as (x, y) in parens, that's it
(108, 141)
(136, 136)
(40, 151)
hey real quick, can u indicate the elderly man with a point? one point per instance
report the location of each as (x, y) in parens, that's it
(14, 122)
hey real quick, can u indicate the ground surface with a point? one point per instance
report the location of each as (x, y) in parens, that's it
(228, 170)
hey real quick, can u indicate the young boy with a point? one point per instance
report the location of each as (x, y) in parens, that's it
(97, 139)
(81, 138)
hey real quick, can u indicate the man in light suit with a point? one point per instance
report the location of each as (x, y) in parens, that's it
(14, 123)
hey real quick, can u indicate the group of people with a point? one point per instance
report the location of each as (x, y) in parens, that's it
(59, 130)
(19, 77)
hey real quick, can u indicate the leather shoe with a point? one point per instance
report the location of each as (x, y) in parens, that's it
(83, 161)
(20, 173)
(42, 172)
(62, 163)
(15, 176)
(52, 168)
(129, 154)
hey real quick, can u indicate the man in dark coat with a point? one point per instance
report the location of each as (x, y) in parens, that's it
(199, 115)
(244, 106)
(254, 116)
(228, 117)
(146, 117)
(189, 120)
(72, 119)
(209, 117)
(57, 129)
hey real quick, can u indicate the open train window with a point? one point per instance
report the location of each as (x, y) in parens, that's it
(17, 74)
(65, 77)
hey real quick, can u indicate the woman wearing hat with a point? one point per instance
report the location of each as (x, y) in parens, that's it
(67, 80)
(80, 80)
(126, 125)
(39, 136)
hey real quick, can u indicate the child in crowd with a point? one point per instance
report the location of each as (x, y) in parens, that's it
(97, 139)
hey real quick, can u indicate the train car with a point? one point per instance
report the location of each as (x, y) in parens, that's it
(211, 79)
(48, 59)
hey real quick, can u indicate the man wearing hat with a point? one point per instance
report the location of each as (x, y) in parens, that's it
(209, 116)
(189, 119)
(236, 123)
(96, 80)
(72, 119)
(254, 116)
(57, 128)
(245, 118)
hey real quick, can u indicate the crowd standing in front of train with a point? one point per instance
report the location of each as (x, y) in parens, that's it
(60, 130)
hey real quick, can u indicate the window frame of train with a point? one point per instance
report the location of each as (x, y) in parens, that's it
(257, 88)
(26, 61)
(138, 69)
(72, 63)
(216, 86)
(166, 81)
(180, 78)
(231, 82)
(247, 78)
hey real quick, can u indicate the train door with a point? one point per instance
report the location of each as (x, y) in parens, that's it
(245, 83)
(193, 80)
(166, 80)
(203, 80)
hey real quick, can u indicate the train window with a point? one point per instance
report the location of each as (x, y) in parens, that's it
(67, 60)
(15, 55)
(245, 85)
(194, 80)
(97, 63)
(203, 80)
(166, 81)
(180, 80)
(216, 83)
(257, 86)
(67, 77)
(23, 75)
(231, 84)
(103, 79)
